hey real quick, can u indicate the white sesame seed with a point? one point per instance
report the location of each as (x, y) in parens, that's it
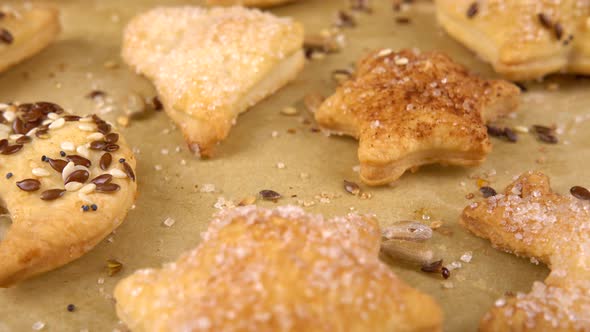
(164, 151)
(32, 132)
(521, 129)
(500, 302)
(57, 123)
(87, 127)
(274, 134)
(375, 124)
(401, 61)
(87, 189)
(280, 165)
(15, 136)
(289, 110)
(83, 151)
(158, 167)
(183, 162)
(68, 169)
(53, 116)
(41, 172)
(73, 186)
(38, 326)
(95, 136)
(117, 173)
(67, 146)
(169, 222)
(385, 52)
(46, 122)
(9, 116)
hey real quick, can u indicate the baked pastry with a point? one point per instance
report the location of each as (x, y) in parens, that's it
(25, 32)
(249, 3)
(529, 219)
(67, 182)
(522, 39)
(210, 65)
(409, 109)
(277, 270)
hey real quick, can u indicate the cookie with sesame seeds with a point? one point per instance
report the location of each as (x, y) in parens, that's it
(277, 270)
(410, 109)
(24, 32)
(57, 169)
(249, 3)
(523, 40)
(529, 219)
(210, 65)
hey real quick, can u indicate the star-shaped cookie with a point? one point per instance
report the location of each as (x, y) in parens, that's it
(210, 65)
(522, 39)
(24, 32)
(249, 3)
(279, 270)
(529, 219)
(410, 109)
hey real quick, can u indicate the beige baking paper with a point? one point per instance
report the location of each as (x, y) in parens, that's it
(170, 181)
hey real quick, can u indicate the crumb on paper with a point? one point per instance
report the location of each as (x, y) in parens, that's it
(223, 203)
(467, 256)
(169, 222)
(207, 188)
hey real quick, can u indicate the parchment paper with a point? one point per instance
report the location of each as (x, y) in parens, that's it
(247, 163)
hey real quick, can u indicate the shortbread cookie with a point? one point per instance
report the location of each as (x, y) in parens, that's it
(529, 219)
(249, 3)
(25, 32)
(522, 39)
(277, 270)
(410, 109)
(67, 182)
(210, 65)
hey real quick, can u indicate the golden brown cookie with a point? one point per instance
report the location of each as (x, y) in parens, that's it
(410, 109)
(529, 219)
(522, 39)
(277, 270)
(24, 32)
(210, 65)
(67, 182)
(249, 3)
